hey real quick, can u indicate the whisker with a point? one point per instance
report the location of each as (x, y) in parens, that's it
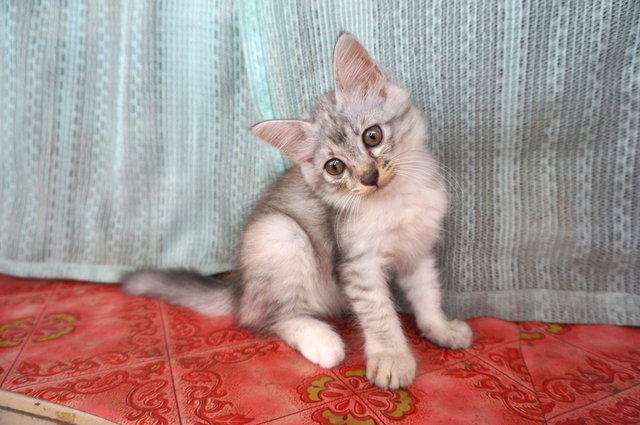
(409, 160)
(348, 208)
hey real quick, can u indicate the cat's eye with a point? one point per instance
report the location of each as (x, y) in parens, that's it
(372, 136)
(334, 166)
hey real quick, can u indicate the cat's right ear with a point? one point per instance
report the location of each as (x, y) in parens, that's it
(359, 81)
(291, 137)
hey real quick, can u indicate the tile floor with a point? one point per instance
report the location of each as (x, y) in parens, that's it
(140, 361)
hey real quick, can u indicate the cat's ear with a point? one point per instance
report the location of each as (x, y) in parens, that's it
(359, 81)
(291, 137)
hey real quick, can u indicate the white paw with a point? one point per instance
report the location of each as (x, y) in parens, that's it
(326, 353)
(454, 334)
(391, 371)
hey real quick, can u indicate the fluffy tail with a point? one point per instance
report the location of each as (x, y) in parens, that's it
(207, 295)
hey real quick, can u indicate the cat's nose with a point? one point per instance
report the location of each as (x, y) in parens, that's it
(370, 178)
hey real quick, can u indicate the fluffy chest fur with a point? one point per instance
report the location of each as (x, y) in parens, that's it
(398, 228)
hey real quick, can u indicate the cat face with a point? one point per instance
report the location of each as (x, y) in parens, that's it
(360, 138)
(360, 151)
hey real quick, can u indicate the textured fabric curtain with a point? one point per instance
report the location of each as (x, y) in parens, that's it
(124, 136)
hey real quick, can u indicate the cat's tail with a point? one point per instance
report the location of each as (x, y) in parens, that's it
(208, 295)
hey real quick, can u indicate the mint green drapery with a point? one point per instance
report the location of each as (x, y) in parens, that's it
(124, 136)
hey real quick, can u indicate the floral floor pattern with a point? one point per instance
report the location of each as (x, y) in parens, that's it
(140, 361)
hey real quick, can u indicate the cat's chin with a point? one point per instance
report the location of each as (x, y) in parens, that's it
(375, 191)
(381, 188)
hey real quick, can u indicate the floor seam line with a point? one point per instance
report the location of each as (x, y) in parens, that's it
(473, 356)
(533, 385)
(622, 365)
(535, 394)
(165, 334)
(594, 402)
(317, 405)
(81, 375)
(29, 336)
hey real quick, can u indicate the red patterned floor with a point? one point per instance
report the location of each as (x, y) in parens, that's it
(139, 361)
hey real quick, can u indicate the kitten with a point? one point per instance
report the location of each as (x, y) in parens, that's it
(362, 205)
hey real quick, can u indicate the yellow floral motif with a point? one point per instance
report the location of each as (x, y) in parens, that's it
(55, 335)
(554, 328)
(316, 386)
(350, 410)
(403, 404)
(356, 372)
(530, 335)
(60, 318)
(8, 342)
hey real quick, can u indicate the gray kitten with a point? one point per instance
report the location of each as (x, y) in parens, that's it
(362, 205)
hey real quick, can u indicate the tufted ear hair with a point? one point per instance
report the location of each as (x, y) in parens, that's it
(291, 137)
(359, 81)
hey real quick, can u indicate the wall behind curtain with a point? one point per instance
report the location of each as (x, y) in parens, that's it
(125, 143)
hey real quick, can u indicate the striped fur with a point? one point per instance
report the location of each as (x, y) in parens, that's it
(318, 245)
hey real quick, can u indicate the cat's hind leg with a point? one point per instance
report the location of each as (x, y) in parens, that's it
(285, 287)
(313, 338)
(422, 289)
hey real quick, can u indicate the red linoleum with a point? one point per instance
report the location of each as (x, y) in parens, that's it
(140, 361)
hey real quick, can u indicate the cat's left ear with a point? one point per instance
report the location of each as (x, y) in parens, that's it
(291, 137)
(359, 81)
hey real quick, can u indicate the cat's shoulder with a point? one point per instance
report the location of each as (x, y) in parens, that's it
(292, 195)
(290, 183)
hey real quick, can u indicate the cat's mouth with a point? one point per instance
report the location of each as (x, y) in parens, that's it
(373, 190)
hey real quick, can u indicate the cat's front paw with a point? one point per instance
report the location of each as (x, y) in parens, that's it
(391, 371)
(454, 335)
